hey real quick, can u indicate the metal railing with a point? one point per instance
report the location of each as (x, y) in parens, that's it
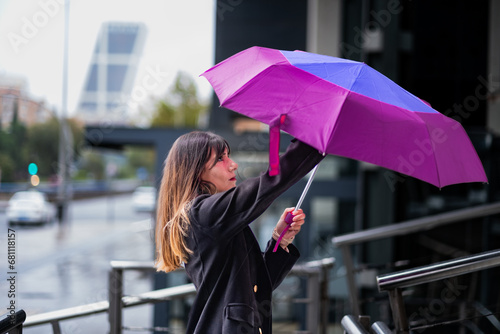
(316, 297)
(344, 242)
(361, 325)
(13, 323)
(55, 317)
(116, 303)
(394, 282)
(317, 293)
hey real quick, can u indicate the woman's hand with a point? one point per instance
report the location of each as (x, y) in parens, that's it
(298, 220)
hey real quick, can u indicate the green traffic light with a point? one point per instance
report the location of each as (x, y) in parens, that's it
(32, 168)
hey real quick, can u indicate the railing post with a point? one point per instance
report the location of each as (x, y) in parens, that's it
(316, 298)
(313, 290)
(324, 298)
(351, 279)
(115, 286)
(56, 328)
(398, 311)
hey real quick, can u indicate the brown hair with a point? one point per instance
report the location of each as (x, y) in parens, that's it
(181, 183)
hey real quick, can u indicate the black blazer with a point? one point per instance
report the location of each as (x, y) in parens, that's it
(233, 278)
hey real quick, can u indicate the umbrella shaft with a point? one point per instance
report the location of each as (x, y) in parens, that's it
(304, 192)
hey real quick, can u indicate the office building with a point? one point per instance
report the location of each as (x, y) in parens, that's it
(111, 74)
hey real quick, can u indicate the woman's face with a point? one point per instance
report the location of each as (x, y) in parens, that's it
(220, 171)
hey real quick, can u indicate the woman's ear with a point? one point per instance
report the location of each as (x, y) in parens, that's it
(206, 188)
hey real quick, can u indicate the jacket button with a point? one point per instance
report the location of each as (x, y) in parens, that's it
(255, 288)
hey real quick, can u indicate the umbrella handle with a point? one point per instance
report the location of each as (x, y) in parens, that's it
(288, 221)
(279, 239)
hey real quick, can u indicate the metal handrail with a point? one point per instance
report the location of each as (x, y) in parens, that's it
(393, 283)
(103, 306)
(67, 313)
(437, 271)
(312, 266)
(416, 225)
(379, 327)
(344, 242)
(359, 325)
(13, 323)
(352, 326)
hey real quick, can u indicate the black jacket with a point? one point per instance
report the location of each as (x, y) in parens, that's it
(233, 278)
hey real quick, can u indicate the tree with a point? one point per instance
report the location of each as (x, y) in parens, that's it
(13, 150)
(181, 107)
(18, 133)
(7, 168)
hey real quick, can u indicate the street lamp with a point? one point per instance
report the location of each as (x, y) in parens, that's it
(65, 136)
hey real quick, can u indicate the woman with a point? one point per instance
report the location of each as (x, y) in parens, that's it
(202, 223)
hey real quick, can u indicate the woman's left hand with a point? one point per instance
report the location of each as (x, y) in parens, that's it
(298, 220)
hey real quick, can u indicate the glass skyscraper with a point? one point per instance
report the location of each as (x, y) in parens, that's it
(111, 73)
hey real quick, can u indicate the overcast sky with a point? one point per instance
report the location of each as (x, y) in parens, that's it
(180, 37)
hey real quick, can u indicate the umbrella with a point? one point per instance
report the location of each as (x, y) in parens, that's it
(345, 108)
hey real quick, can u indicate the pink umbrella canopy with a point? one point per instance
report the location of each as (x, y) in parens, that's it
(346, 108)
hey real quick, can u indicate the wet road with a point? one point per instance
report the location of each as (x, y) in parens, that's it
(60, 267)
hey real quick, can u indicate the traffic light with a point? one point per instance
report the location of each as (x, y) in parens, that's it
(33, 170)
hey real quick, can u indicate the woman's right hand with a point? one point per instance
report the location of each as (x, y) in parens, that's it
(297, 221)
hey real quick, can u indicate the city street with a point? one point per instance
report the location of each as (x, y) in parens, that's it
(58, 267)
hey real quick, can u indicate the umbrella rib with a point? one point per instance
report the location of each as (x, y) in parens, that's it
(433, 153)
(248, 84)
(336, 123)
(299, 96)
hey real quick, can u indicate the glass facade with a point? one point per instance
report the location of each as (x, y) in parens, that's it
(89, 106)
(122, 39)
(92, 79)
(116, 77)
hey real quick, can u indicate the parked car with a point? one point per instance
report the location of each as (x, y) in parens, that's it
(144, 199)
(29, 207)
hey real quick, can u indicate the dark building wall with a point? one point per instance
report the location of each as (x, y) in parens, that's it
(450, 57)
(279, 24)
(437, 50)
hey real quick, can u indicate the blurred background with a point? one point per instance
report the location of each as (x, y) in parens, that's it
(93, 94)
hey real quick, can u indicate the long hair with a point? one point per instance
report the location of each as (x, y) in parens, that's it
(181, 183)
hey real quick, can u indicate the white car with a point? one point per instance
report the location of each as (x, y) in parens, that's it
(30, 207)
(144, 199)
